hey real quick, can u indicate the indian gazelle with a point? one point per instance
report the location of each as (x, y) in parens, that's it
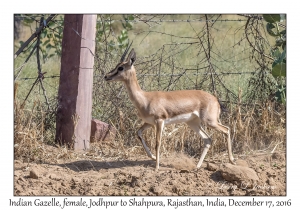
(158, 108)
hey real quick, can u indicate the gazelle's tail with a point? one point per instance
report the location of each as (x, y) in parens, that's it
(223, 107)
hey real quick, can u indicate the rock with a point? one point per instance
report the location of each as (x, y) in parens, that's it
(271, 181)
(258, 170)
(21, 179)
(212, 167)
(18, 189)
(101, 131)
(55, 177)
(176, 189)
(240, 162)
(271, 173)
(135, 181)
(33, 174)
(237, 173)
(75, 180)
(157, 190)
(107, 183)
(278, 156)
(17, 173)
(18, 162)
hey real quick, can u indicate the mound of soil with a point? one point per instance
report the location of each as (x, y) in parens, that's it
(136, 176)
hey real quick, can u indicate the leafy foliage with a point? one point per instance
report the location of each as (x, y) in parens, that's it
(105, 26)
(272, 18)
(50, 36)
(278, 52)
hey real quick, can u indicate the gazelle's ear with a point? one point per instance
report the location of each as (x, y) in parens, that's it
(131, 57)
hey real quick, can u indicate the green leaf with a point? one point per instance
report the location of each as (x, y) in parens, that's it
(279, 56)
(47, 42)
(21, 43)
(43, 34)
(28, 21)
(130, 17)
(272, 18)
(279, 42)
(269, 27)
(276, 53)
(282, 56)
(283, 45)
(283, 32)
(119, 39)
(51, 55)
(49, 46)
(279, 69)
(57, 36)
(280, 94)
(51, 24)
(128, 25)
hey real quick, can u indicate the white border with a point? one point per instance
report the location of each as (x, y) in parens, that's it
(153, 6)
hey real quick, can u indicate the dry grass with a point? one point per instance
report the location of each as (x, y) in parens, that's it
(254, 127)
(252, 138)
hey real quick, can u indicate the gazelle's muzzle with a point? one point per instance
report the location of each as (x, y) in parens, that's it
(109, 76)
(106, 78)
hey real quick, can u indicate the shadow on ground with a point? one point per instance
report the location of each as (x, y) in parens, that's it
(87, 165)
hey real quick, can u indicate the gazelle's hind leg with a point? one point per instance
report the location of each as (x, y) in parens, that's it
(195, 125)
(224, 129)
(159, 129)
(139, 133)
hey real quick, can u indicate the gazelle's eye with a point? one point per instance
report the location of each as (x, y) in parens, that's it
(120, 68)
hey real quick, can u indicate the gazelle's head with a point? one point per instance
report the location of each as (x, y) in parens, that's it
(124, 69)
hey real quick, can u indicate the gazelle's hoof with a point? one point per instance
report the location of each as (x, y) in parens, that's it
(232, 161)
(153, 157)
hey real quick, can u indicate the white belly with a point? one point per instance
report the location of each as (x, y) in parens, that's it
(177, 119)
(181, 118)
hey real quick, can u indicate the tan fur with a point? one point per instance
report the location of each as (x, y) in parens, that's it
(194, 107)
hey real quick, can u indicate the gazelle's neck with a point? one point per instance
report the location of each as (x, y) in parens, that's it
(136, 94)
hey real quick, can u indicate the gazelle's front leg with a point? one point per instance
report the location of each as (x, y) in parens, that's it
(159, 129)
(139, 133)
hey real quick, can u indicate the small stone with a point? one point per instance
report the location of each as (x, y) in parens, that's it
(21, 179)
(258, 170)
(278, 156)
(54, 177)
(240, 162)
(212, 167)
(184, 171)
(134, 181)
(101, 131)
(157, 190)
(107, 183)
(271, 181)
(271, 173)
(74, 179)
(33, 174)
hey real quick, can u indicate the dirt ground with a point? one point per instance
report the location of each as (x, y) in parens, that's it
(136, 176)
